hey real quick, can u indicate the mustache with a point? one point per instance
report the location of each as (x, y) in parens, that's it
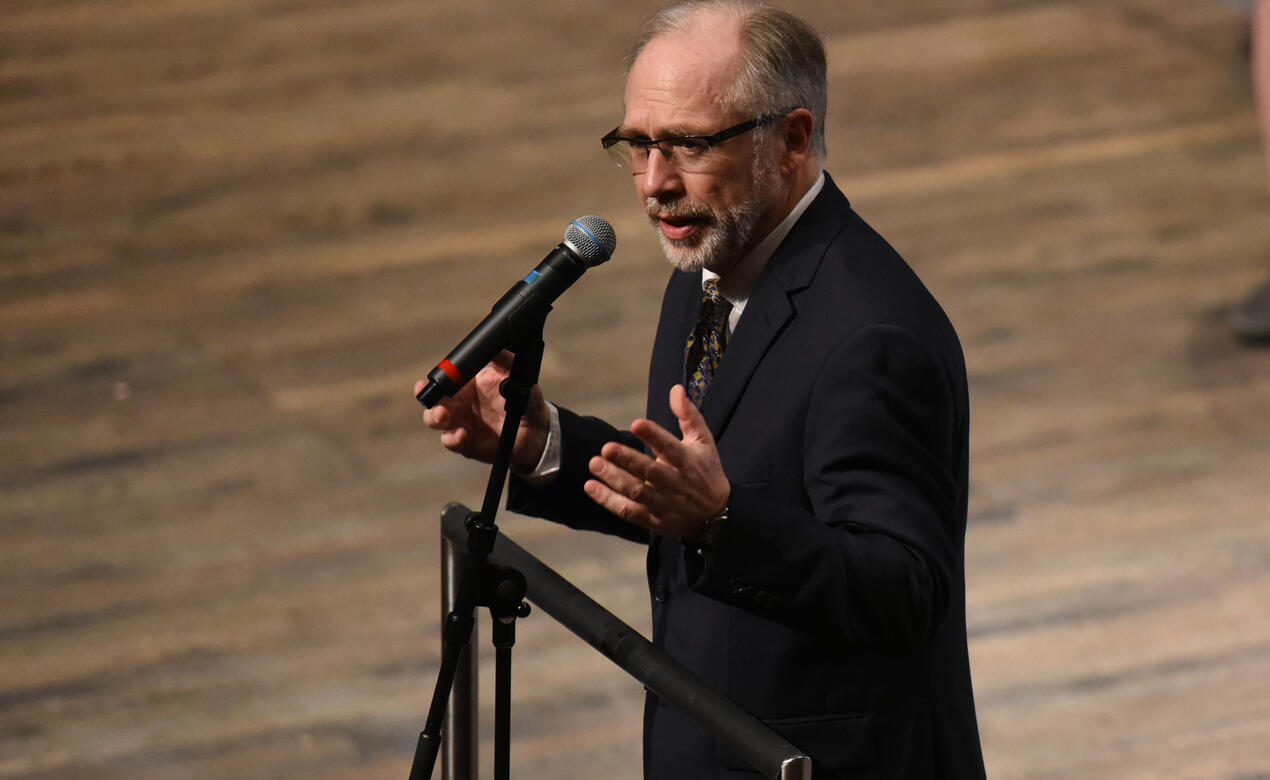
(680, 209)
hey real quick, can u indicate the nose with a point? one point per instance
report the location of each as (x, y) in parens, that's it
(660, 180)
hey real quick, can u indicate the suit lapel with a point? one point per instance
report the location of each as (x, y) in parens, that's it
(772, 303)
(680, 307)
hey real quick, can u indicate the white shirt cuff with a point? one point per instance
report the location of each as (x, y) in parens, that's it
(549, 464)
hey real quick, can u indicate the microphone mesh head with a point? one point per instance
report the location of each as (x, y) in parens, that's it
(592, 238)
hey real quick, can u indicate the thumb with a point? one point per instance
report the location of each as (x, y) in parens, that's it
(691, 424)
(504, 360)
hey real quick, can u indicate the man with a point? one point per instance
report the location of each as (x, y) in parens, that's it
(1251, 318)
(801, 476)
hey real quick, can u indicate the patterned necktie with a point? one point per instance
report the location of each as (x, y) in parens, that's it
(704, 349)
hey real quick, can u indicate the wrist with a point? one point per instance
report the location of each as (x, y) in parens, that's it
(711, 528)
(539, 452)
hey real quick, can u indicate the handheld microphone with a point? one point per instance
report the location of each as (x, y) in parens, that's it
(588, 241)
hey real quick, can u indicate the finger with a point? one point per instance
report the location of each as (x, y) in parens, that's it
(504, 360)
(691, 423)
(422, 383)
(661, 475)
(620, 480)
(489, 378)
(619, 505)
(632, 460)
(663, 443)
(438, 417)
(454, 440)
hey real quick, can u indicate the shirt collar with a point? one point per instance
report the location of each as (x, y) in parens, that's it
(739, 283)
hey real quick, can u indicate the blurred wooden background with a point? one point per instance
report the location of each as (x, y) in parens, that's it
(233, 233)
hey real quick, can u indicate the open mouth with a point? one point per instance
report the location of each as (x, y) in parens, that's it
(679, 228)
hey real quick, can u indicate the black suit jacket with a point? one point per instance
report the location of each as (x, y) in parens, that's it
(834, 605)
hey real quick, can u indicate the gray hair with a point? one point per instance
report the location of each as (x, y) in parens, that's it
(782, 58)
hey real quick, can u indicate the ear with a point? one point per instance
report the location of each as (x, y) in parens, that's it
(798, 129)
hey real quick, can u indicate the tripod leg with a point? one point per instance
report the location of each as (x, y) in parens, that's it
(507, 607)
(459, 737)
(502, 712)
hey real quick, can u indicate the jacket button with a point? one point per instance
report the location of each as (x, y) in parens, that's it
(661, 593)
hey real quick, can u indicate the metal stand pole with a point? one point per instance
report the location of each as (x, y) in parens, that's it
(507, 607)
(482, 531)
(459, 746)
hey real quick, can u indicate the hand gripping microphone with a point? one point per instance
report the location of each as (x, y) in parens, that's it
(588, 241)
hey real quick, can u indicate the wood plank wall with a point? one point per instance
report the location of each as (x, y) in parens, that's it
(233, 232)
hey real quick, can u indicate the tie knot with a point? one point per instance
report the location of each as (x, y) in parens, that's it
(713, 305)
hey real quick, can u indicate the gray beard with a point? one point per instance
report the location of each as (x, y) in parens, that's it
(725, 233)
(720, 242)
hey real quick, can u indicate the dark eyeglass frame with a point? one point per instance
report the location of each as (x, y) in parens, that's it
(674, 142)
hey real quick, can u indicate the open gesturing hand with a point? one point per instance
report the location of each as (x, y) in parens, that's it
(672, 492)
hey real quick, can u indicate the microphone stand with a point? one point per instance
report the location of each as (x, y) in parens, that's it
(499, 588)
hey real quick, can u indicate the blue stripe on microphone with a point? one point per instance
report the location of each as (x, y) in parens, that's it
(589, 233)
(533, 277)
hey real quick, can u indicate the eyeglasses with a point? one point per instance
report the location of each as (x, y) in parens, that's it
(688, 153)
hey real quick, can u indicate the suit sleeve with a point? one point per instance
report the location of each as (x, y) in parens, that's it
(872, 560)
(563, 500)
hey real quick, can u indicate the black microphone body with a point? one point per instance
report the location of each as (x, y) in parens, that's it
(589, 241)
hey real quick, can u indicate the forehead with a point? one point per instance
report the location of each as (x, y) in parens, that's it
(680, 80)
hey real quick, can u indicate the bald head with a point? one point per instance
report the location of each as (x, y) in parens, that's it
(777, 61)
(692, 66)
